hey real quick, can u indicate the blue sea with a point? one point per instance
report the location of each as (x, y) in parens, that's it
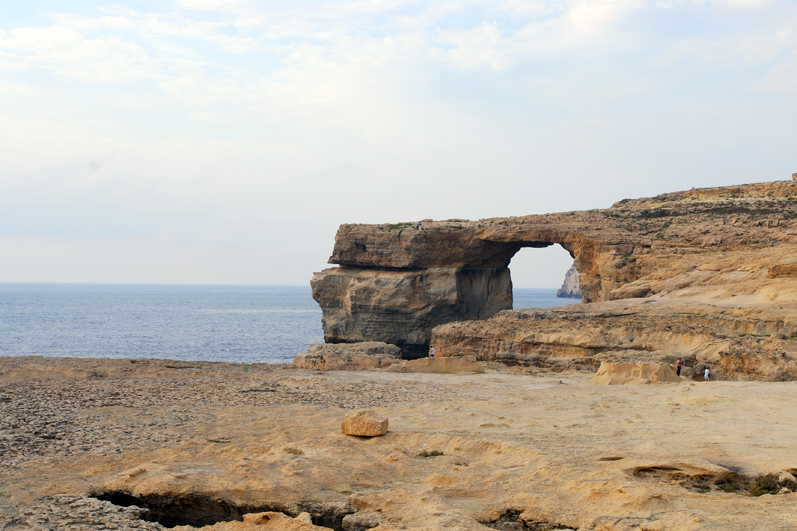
(243, 324)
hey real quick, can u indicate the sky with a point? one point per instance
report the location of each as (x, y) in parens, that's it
(224, 141)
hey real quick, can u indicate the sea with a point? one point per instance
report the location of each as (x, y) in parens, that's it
(240, 324)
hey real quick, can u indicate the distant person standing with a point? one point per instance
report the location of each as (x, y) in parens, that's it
(431, 352)
(678, 366)
(419, 225)
(707, 374)
(400, 354)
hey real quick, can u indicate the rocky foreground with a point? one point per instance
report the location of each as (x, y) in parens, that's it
(144, 444)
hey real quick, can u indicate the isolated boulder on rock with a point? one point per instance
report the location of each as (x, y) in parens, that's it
(366, 423)
(634, 373)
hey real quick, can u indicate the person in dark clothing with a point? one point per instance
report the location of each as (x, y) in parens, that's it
(678, 365)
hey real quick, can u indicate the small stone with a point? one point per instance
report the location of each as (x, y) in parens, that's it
(364, 424)
(305, 517)
(786, 477)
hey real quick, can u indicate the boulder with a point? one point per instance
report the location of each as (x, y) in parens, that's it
(366, 423)
(441, 365)
(347, 356)
(634, 373)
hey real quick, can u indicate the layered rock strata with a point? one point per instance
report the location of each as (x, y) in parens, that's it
(737, 343)
(364, 356)
(733, 247)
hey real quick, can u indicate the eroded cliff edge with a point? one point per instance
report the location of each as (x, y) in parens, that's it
(724, 248)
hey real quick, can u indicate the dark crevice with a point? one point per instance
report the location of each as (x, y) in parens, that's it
(199, 510)
(511, 521)
(730, 481)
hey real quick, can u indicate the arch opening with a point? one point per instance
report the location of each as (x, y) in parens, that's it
(538, 272)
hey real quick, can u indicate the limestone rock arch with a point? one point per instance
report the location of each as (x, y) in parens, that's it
(395, 283)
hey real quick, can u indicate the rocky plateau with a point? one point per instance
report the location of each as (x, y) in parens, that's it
(155, 444)
(709, 275)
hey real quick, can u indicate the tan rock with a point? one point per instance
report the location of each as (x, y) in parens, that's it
(504, 449)
(281, 521)
(756, 342)
(442, 365)
(730, 248)
(347, 356)
(634, 373)
(364, 424)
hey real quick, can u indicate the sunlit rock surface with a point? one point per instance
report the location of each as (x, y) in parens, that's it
(721, 259)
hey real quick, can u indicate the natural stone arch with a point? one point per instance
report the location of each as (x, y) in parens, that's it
(395, 283)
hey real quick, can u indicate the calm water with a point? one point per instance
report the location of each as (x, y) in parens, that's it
(243, 324)
(538, 298)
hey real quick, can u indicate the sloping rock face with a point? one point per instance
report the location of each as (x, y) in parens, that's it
(570, 287)
(734, 246)
(737, 343)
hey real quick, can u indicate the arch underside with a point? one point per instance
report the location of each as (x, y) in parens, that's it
(401, 305)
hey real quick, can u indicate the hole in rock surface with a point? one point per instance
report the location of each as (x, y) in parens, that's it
(537, 274)
(198, 510)
(510, 521)
(730, 481)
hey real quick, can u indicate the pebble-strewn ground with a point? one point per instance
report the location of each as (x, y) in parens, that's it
(47, 417)
(503, 448)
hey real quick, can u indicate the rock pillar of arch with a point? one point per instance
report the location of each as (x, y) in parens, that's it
(395, 283)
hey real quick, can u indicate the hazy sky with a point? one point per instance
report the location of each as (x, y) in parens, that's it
(224, 141)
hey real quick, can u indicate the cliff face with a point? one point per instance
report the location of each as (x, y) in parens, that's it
(570, 287)
(733, 246)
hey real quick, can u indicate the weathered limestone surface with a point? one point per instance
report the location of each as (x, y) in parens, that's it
(634, 373)
(756, 342)
(402, 306)
(202, 445)
(364, 356)
(570, 287)
(708, 253)
(439, 366)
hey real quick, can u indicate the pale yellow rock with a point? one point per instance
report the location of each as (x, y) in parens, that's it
(365, 356)
(274, 520)
(441, 365)
(364, 424)
(567, 453)
(634, 373)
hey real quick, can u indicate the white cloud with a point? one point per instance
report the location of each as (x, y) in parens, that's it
(241, 132)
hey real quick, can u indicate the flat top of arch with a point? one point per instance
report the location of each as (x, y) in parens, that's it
(689, 221)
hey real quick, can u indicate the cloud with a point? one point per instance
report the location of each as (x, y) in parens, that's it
(250, 130)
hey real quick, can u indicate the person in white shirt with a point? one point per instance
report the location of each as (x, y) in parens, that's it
(707, 374)
(431, 352)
